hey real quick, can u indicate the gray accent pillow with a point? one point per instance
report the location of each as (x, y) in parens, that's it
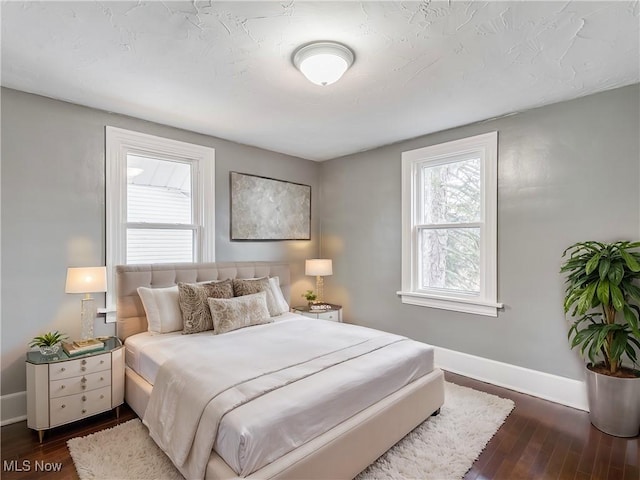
(192, 298)
(250, 286)
(239, 312)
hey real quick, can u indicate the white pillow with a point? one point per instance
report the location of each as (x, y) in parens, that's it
(281, 303)
(162, 309)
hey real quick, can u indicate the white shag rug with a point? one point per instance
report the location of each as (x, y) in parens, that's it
(443, 448)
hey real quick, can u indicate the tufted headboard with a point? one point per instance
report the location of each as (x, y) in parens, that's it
(130, 315)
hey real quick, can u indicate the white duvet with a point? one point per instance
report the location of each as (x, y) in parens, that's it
(307, 375)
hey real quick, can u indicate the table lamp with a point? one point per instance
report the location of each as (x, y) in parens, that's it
(319, 267)
(87, 280)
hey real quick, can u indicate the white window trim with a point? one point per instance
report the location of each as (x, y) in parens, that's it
(119, 143)
(486, 303)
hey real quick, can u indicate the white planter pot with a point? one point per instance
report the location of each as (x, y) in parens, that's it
(614, 404)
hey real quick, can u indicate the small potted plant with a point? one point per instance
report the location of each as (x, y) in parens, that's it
(310, 296)
(604, 298)
(49, 343)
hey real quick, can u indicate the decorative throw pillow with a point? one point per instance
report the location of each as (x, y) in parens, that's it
(281, 303)
(162, 309)
(249, 286)
(192, 298)
(239, 312)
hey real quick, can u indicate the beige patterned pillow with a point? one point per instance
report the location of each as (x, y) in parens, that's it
(255, 285)
(192, 298)
(239, 312)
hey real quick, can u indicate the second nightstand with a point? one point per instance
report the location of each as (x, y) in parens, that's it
(334, 313)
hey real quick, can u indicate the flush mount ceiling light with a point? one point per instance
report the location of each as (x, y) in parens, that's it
(323, 63)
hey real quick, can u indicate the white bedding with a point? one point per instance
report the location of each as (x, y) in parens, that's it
(248, 438)
(145, 352)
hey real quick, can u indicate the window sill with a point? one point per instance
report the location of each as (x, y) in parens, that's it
(476, 307)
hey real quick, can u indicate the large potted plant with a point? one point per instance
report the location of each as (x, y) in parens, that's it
(603, 297)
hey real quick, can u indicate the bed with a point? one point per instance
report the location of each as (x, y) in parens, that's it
(409, 392)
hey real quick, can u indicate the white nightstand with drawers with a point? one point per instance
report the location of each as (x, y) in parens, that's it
(62, 389)
(331, 312)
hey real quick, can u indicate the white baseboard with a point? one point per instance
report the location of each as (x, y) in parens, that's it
(13, 407)
(565, 391)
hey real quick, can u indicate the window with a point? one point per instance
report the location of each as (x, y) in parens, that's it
(160, 213)
(160, 202)
(449, 225)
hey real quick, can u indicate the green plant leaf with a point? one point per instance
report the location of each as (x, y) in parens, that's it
(572, 298)
(603, 291)
(617, 299)
(616, 272)
(603, 268)
(584, 302)
(632, 320)
(618, 345)
(582, 337)
(631, 262)
(631, 290)
(592, 263)
(631, 353)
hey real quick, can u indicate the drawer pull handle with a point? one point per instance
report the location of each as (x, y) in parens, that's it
(101, 362)
(62, 369)
(61, 387)
(84, 362)
(101, 379)
(84, 387)
(63, 405)
(84, 399)
(83, 368)
(84, 379)
(101, 397)
(84, 411)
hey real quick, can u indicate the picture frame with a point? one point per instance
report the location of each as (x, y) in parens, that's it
(268, 209)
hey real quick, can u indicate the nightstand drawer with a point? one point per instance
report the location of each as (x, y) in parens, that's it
(334, 316)
(74, 407)
(84, 383)
(81, 366)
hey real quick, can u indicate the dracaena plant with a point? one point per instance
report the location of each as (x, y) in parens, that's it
(602, 295)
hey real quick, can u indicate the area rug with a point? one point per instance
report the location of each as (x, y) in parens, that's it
(442, 448)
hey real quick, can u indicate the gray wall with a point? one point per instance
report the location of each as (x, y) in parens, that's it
(566, 172)
(53, 213)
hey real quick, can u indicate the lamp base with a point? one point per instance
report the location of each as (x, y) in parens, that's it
(88, 318)
(319, 289)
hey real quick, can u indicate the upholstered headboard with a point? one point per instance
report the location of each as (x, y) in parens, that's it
(130, 315)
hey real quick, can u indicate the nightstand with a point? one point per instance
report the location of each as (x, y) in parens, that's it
(333, 313)
(62, 389)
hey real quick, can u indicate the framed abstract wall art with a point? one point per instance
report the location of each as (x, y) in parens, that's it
(268, 209)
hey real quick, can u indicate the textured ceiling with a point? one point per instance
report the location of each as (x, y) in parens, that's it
(224, 68)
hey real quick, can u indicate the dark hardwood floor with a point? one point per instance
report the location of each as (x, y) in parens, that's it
(21, 444)
(545, 440)
(539, 440)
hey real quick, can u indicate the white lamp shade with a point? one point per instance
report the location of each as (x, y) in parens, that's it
(323, 63)
(86, 280)
(319, 267)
